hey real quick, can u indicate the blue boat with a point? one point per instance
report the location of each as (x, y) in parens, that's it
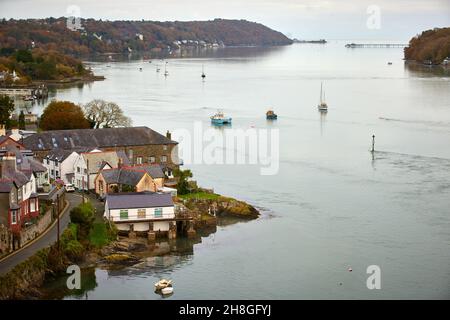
(220, 119)
(270, 115)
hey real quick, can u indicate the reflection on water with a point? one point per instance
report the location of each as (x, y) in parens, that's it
(334, 203)
(421, 70)
(157, 259)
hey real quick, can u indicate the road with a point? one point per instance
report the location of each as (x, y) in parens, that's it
(46, 240)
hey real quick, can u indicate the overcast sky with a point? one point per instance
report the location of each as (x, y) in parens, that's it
(305, 19)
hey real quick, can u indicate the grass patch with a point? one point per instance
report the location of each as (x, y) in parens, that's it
(199, 195)
(98, 237)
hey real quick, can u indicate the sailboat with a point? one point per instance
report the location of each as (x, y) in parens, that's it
(203, 72)
(322, 106)
(166, 73)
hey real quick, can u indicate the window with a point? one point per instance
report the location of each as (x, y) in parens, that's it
(52, 172)
(158, 212)
(78, 169)
(139, 160)
(14, 217)
(163, 158)
(57, 174)
(85, 171)
(123, 214)
(151, 159)
(165, 147)
(141, 213)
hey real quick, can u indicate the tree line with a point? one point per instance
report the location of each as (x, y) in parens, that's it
(431, 45)
(101, 37)
(65, 115)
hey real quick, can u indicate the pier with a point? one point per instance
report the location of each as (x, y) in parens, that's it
(375, 45)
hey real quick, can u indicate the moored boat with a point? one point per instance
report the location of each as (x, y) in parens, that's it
(270, 115)
(162, 284)
(220, 119)
(322, 106)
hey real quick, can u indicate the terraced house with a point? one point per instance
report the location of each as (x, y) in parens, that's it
(19, 201)
(140, 144)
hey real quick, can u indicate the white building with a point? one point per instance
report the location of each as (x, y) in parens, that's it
(140, 211)
(60, 164)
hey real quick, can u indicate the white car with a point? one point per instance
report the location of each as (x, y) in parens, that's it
(69, 187)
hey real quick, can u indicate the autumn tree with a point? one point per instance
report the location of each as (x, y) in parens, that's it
(6, 108)
(104, 114)
(63, 115)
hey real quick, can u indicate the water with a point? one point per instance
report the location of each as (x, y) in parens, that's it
(331, 205)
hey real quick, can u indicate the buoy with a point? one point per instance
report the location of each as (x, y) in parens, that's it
(350, 269)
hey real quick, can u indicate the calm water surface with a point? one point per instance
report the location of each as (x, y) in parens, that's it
(331, 205)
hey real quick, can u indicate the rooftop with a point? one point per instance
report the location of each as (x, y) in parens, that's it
(138, 200)
(95, 138)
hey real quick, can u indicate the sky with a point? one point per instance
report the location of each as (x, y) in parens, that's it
(302, 19)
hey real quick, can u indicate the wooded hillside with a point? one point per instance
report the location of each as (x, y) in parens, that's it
(432, 45)
(101, 37)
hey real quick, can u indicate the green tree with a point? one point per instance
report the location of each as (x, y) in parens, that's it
(24, 56)
(63, 115)
(183, 183)
(6, 108)
(21, 120)
(83, 216)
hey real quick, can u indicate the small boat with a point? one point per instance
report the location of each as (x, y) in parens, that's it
(270, 115)
(322, 106)
(389, 63)
(140, 69)
(158, 69)
(162, 284)
(203, 72)
(167, 290)
(220, 119)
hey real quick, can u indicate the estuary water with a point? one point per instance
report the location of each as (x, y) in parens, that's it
(331, 205)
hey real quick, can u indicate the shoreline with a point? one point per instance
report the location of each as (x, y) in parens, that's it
(28, 279)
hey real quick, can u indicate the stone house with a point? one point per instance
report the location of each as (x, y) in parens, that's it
(125, 178)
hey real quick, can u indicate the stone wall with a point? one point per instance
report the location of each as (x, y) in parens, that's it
(5, 240)
(31, 232)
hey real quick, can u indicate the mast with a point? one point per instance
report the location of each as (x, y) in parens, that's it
(320, 92)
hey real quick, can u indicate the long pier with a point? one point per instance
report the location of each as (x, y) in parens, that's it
(375, 45)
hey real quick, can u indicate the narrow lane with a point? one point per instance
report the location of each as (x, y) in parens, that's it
(49, 238)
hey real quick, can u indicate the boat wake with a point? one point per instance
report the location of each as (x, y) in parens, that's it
(422, 122)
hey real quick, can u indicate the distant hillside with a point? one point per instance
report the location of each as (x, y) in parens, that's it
(432, 46)
(101, 37)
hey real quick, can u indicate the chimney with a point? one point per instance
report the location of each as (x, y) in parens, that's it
(169, 135)
(2, 130)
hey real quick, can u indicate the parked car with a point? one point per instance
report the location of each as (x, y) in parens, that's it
(69, 187)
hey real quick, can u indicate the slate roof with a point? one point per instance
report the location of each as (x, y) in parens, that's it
(95, 138)
(131, 175)
(138, 200)
(122, 176)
